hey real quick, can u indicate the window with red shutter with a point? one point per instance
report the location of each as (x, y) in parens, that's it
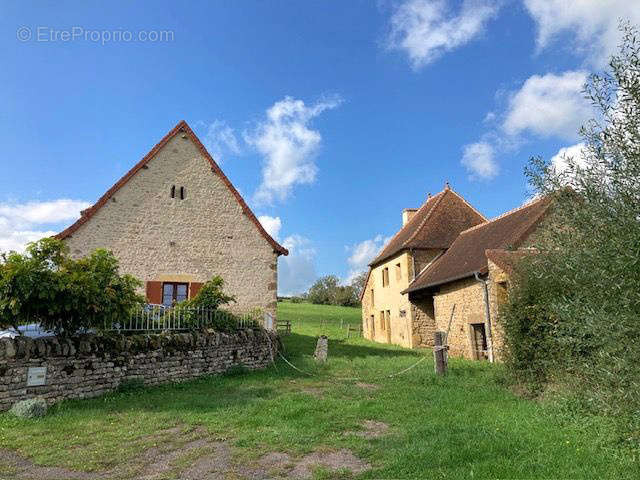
(194, 288)
(154, 292)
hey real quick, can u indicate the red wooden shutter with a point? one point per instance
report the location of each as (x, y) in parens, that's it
(154, 292)
(194, 288)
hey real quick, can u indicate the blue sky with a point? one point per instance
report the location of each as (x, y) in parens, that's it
(329, 117)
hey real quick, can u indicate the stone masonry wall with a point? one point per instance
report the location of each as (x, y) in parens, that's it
(89, 366)
(424, 323)
(468, 297)
(159, 238)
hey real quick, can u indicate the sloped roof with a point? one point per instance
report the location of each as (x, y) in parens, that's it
(468, 253)
(436, 224)
(181, 127)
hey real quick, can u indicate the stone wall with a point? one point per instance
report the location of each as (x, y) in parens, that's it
(468, 297)
(424, 323)
(92, 365)
(159, 238)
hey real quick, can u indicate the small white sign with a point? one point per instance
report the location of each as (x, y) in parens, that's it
(36, 376)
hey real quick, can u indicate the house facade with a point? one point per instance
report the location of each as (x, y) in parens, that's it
(174, 221)
(467, 285)
(388, 315)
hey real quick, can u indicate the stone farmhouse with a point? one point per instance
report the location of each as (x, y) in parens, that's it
(460, 290)
(426, 233)
(174, 221)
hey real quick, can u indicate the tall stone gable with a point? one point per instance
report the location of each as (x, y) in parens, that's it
(175, 217)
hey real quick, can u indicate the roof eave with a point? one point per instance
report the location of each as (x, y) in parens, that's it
(483, 270)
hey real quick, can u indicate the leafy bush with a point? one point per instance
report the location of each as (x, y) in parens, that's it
(32, 408)
(202, 311)
(46, 286)
(572, 318)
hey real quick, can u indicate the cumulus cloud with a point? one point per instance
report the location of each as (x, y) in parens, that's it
(549, 105)
(361, 255)
(560, 161)
(271, 224)
(479, 159)
(427, 29)
(288, 145)
(591, 24)
(221, 141)
(22, 223)
(297, 271)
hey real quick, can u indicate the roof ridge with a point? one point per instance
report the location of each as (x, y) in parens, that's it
(406, 225)
(427, 216)
(502, 215)
(182, 126)
(468, 204)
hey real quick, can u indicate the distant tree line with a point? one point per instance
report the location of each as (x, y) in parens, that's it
(329, 290)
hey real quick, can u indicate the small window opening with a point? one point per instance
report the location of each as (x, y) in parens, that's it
(173, 191)
(182, 193)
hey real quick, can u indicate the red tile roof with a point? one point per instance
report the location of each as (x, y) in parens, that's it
(467, 254)
(181, 127)
(436, 224)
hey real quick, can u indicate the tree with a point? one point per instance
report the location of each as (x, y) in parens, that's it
(44, 285)
(573, 312)
(328, 291)
(359, 282)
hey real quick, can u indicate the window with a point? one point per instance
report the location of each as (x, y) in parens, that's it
(183, 192)
(398, 271)
(173, 293)
(382, 325)
(372, 297)
(373, 325)
(385, 276)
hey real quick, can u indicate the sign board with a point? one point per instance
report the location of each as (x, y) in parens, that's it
(36, 376)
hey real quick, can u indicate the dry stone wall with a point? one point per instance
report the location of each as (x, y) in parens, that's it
(90, 365)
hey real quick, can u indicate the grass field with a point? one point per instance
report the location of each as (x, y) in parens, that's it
(348, 413)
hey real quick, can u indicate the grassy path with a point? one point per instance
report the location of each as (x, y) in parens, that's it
(466, 425)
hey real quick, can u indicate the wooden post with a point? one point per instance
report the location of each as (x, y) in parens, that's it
(439, 353)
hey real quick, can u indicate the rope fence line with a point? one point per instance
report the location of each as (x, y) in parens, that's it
(354, 378)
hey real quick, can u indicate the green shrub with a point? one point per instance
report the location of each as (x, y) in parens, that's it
(572, 320)
(45, 285)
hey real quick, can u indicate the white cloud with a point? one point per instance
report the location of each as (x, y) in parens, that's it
(361, 255)
(296, 271)
(271, 224)
(221, 141)
(575, 152)
(479, 159)
(592, 24)
(427, 29)
(549, 105)
(288, 145)
(19, 222)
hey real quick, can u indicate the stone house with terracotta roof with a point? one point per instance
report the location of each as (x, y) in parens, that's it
(174, 221)
(466, 285)
(427, 232)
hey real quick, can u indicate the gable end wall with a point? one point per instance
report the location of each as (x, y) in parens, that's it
(156, 237)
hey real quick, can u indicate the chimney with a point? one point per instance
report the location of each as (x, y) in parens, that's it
(407, 214)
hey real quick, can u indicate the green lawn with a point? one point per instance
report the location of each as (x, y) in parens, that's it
(466, 425)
